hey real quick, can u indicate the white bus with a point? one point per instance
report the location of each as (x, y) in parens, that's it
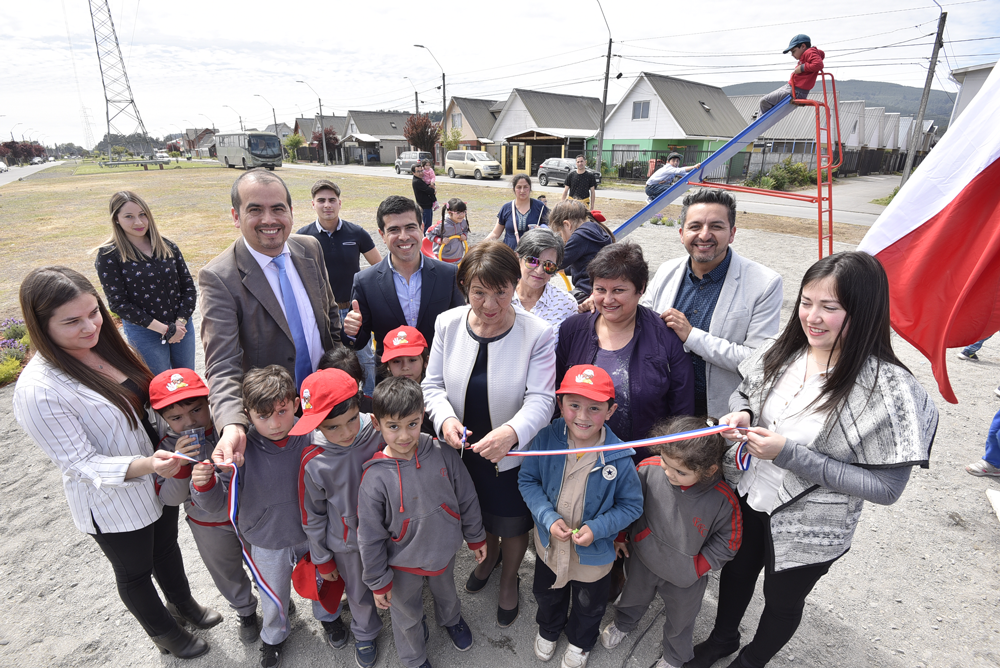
(248, 149)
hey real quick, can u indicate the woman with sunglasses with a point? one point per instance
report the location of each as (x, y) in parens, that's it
(541, 253)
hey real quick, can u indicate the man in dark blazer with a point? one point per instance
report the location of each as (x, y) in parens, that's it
(405, 288)
(243, 322)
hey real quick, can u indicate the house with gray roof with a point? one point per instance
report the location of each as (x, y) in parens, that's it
(474, 118)
(374, 136)
(282, 130)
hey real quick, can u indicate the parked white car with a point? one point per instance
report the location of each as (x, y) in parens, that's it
(3, 167)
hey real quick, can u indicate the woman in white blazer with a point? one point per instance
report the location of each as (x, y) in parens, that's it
(82, 398)
(498, 390)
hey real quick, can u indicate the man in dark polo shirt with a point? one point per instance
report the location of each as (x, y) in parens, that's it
(343, 244)
(581, 184)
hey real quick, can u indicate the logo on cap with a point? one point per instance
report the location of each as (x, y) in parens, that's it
(586, 377)
(305, 400)
(176, 382)
(400, 338)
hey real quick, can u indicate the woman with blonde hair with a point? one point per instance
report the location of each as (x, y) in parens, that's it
(148, 285)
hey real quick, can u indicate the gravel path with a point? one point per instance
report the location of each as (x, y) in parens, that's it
(915, 590)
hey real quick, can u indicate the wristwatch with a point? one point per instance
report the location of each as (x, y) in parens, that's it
(182, 321)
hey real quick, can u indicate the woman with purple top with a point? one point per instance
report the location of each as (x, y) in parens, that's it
(653, 376)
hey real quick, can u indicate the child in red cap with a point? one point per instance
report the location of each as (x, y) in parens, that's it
(330, 475)
(405, 354)
(184, 425)
(579, 501)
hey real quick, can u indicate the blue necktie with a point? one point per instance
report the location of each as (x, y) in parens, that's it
(303, 363)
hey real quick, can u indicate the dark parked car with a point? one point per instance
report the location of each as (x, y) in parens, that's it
(555, 170)
(407, 159)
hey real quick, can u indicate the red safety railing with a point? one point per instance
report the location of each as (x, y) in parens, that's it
(826, 163)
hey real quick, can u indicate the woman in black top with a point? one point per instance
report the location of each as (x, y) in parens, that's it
(425, 196)
(148, 285)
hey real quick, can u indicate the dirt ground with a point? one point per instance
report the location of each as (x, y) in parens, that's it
(915, 590)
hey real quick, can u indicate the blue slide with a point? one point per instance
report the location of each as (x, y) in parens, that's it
(734, 146)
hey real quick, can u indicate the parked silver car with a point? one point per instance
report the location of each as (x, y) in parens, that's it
(407, 159)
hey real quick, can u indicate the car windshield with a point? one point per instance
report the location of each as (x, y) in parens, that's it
(263, 146)
(482, 155)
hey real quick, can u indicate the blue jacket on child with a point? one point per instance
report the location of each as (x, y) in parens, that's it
(609, 505)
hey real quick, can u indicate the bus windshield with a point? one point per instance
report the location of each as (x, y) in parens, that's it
(264, 146)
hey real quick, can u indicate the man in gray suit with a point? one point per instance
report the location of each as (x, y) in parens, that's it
(721, 305)
(264, 300)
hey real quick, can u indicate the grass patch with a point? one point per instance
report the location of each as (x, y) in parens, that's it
(94, 168)
(884, 201)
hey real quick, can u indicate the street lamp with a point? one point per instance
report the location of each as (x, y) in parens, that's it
(443, 96)
(274, 115)
(238, 115)
(322, 128)
(210, 121)
(416, 95)
(12, 131)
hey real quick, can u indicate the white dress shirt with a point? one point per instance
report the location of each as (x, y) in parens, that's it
(784, 412)
(91, 442)
(306, 313)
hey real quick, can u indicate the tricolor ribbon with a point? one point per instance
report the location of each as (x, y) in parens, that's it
(234, 503)
(646, 442)
(742, 456)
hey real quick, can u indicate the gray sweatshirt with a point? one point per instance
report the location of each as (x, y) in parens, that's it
(329, 478)
(177, 490)
(414, 514)
(268, 495)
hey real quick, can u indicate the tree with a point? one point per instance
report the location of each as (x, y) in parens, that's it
(421, 133)
(451, 142)
(332, 141)
(293, 142)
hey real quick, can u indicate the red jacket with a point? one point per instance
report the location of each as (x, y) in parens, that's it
(811, 61)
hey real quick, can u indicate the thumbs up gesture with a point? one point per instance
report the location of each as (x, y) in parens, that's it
(352, 321)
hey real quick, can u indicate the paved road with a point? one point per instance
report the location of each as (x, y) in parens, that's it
(851, 196)
(16, 173)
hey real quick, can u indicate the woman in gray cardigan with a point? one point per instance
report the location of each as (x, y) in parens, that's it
(838, 421)
(496, 392)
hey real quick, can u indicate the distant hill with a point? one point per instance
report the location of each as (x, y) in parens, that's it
(894, 97)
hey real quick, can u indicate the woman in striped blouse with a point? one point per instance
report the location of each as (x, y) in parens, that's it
(82, 398)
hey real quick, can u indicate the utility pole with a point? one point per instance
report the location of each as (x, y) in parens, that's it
(918, 126)
(604, 100)
(322, 128)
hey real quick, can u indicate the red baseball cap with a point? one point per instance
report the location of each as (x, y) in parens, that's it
(321, 391)
(403, 342)
(598, 216)
(175, 385)
(304, 580)
(589, 381)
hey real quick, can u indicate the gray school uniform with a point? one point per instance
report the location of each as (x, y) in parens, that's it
(269, 520)
(681, 536)
(413, 517)
(330, 476)
(214, 535)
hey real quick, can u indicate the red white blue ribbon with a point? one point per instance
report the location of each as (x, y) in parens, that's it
(234, 502)
(742, 456)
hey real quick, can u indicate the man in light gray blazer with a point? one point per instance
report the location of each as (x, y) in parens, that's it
(721, 305)
(244, 323)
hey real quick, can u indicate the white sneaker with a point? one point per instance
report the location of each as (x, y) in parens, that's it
(574, 657)
(544, 649)
(611, 636)
(662, 663)
(982, 468)
(971, 357)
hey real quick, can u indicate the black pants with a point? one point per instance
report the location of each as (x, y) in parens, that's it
(784, 593)
(135, 556)
(583, 623)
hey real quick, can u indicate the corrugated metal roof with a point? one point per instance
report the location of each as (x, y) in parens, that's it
(800, 124)
(381, 124)
(873, 126)
(890, 130)
(477, 113)
(552, 110)
(700, 109)
(561, 133)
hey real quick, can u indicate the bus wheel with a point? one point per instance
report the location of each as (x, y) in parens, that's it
(227, 162)
(244, 163)
(270, 168)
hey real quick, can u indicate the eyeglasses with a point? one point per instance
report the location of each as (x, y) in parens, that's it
(548, 266)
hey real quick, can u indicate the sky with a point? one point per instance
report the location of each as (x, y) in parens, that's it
(187, 60)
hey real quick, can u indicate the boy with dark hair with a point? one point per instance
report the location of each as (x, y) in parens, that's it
(407, 536)
(180, 399)
(803, 76)
(269, 516)
(329, 478)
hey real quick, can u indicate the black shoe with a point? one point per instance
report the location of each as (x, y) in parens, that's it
(506, 617)
(474, 585)
(180, 643)
(249, 629)
(738, 661)
(708, 652)
(271, 655)
(336, 633)
(195, 613)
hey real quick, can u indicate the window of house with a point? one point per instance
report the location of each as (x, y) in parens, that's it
(640, 110)
(456, 120)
